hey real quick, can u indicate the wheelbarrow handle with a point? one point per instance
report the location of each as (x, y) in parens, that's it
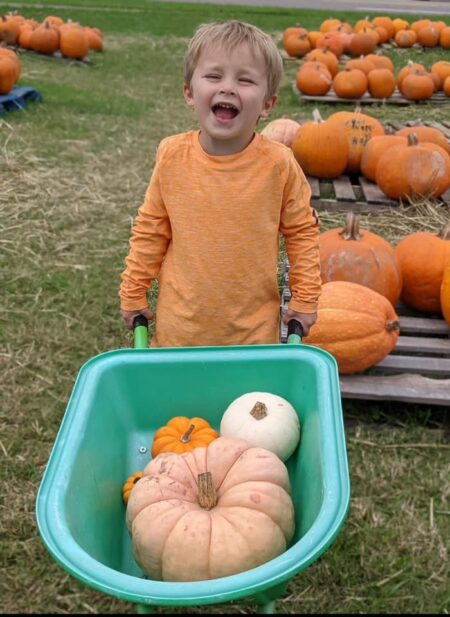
(140, 332)
(140, 329)
(294, 332)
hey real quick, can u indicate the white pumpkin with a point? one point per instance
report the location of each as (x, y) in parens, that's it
(265, 420)
(282, 130)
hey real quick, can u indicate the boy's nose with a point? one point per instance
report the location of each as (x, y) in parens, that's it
(227, 87)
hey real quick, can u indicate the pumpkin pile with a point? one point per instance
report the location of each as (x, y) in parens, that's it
(221, 499)
(365, 36)
(52, 35)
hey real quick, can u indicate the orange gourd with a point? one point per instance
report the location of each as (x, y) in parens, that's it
(425, 134)
(444, 38)
(360, 256)
(441, 68)
(405, 38)
(428, 36)
(363, 43)
(313, 79)
(417, 87)
(74, 42)
(292, 30)
(355, 324)
(325, 57)
(423, 258)
(8, 73)
(381, 83)
(129, 485)
(297, 45)
(321, 148)
(214, 512)
(182, 434)
(445, 294)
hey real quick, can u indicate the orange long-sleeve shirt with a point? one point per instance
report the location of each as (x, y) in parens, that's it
(209, 230)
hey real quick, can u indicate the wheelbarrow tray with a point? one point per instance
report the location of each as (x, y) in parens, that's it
(120, 398)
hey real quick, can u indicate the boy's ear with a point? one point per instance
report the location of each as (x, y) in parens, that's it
(188, 96)
(269, 104)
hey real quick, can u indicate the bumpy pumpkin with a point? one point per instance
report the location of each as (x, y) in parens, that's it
(265, 420)
(355, 324)
(321, 148)
(445, 294)
(129, 484)
(423, 257)
(282, 130)
(182, 434)
(213, 512)
(360, 256)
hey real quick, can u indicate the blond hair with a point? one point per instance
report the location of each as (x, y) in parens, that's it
(230, 34)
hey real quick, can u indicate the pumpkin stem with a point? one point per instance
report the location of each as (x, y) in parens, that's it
(412, 139)
(316, 116)
(351, 229)
(392, 326)
(259, 410)
(186, 437)
(207, 496)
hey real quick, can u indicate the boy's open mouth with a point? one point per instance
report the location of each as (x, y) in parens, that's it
(225, 111)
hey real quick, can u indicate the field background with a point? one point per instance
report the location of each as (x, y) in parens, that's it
(73, 171)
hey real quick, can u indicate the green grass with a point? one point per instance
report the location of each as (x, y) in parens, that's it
(73, 171)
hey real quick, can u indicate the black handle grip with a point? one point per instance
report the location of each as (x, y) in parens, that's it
(140, 320)
(295, 327)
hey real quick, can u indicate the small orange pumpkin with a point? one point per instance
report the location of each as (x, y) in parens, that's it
(128, 486)
(381, 83)
(182, 434)
(405, 38)
(350, 83)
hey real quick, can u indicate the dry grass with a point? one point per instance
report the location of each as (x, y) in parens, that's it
(71, 180)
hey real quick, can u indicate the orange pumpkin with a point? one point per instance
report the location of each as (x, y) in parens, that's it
(129, 484)
(423, 257)
(355, 324)
(45, 39)
(313, 79)
(425, 134)
(350, 83)
(417, 86)
(321, 148)
(292, 30)
(386, 23)
(410, 67)
(325, 57)
(363, 43)
(445, 294)
(441, 68)
(182, 434)
(381, 62)
(444, 38)
(74, 42)
(297, 45)
(374, 148)
(410, 170)
(363, 63)
(381, 83)
(405, 38)
(428, 36)
(360, 256)
(8, 73)
(359, 128)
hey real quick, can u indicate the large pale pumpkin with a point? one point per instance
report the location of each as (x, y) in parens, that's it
(360, 256)
(209, 513)
(355, 324)
(282, 130)
(423, 257)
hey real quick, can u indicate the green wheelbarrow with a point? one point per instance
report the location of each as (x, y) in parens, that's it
(119, 400)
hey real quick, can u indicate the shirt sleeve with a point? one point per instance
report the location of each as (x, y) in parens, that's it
(150, 238)
(299, 225)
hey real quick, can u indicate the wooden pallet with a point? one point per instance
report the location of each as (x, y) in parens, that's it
(359, 193)
(416, 371)
(438, 98)
(56, 56)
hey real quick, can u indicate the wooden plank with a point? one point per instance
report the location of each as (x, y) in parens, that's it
(422, 344)
(374, 194)
(424, 325)
(408, 364)
(343, 189)
(315, 186)
(405, 387)
(331, 205)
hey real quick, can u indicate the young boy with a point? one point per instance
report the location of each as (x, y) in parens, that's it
(216, 203)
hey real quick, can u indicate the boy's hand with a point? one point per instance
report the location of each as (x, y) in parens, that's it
(130, 315)
(306, 319)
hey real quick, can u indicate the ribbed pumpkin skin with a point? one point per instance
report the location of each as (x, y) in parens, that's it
(169, 438)
(445, 295)
(374, 148)
(364, 258)
(422, 257)
(355, 324)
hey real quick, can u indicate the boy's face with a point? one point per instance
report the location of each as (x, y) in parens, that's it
(228, 92)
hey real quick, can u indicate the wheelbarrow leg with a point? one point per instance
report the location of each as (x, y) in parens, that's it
(265, 601)
(145, 609)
